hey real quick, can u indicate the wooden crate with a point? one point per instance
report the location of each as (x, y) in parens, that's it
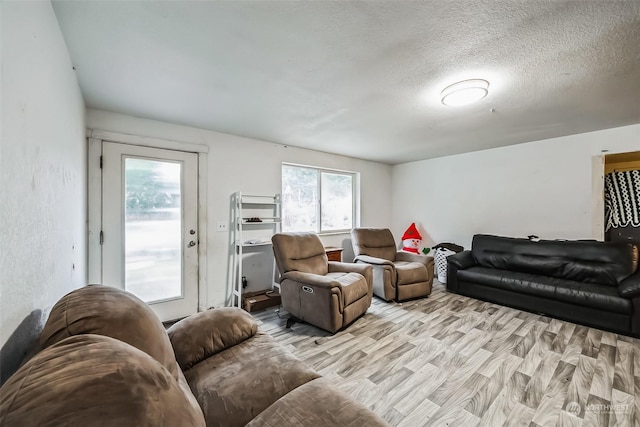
(259, 300)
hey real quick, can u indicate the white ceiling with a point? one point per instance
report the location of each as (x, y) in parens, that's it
(360, 78)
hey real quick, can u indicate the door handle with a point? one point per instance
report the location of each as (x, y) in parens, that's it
(191, 244)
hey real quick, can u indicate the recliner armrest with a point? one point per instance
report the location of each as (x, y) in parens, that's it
(630, 287)
(462, 260)
(372, 260)
(348, 267)
(311, 279)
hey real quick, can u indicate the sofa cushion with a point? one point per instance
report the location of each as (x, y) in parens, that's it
(508, 280)
(317, 403)
(204, 334)
(112, 312)
(90, 380)
(606, 263)
(237, 384)
(596, 296)
(585, 294)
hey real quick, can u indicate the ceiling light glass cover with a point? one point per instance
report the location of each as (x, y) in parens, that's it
(465, 92)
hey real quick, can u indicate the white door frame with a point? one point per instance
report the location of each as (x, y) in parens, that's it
(597, 197)
(94, 199)
(597, 192)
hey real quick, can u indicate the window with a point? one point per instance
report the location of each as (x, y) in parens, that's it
(317, 200)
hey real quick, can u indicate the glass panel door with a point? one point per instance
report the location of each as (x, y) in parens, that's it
(150, 226)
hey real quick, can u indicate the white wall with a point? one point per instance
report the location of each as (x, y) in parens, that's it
(253, 167)
(42, 168)
(541, 187)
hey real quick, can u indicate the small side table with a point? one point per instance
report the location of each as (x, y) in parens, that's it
(333, 253)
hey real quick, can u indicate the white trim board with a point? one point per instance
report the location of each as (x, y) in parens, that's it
(146, 141)
(94, 211)
(597, 197)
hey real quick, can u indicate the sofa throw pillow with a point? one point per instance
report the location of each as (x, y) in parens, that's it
(204, 334)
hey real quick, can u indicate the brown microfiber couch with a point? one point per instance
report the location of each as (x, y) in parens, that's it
(106, 360)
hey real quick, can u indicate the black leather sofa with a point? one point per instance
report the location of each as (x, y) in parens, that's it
(593, 283)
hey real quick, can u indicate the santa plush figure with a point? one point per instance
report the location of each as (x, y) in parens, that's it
(411, 239)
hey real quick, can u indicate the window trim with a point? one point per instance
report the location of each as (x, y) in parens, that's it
(355, 196)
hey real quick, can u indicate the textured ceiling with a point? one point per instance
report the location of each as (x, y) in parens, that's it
(362, 78)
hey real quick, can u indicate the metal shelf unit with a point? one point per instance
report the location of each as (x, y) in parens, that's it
(252, 214)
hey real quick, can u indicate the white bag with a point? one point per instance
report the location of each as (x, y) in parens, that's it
(440, 257)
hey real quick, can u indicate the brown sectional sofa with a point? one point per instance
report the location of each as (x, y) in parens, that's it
(106, 360)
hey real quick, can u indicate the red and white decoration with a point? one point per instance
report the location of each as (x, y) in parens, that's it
(411, 239)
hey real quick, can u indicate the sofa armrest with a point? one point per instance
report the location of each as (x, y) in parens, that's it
(459, 261)
(204, 334)
(310, 279)
(372, 260)
(409, 257)
(462, 260)
(630, 287)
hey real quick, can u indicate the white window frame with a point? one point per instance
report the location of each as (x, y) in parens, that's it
(355, 195)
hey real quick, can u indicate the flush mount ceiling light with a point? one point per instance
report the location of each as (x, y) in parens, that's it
(464, 92)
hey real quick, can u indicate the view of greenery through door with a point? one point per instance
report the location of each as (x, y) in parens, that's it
(152, 229)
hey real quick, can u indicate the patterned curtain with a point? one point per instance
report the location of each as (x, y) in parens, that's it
(622, 199)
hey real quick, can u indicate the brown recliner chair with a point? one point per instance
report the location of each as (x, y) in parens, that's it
(326, 294)
(397, 275)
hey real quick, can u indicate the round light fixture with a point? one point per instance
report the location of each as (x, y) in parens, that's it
(464, 92)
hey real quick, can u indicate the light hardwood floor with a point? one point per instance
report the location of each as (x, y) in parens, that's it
(449, 360)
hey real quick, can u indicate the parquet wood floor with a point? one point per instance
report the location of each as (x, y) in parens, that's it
(449, 360)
